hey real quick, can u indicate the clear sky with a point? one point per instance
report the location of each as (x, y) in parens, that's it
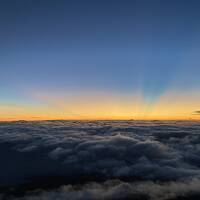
(99, 59)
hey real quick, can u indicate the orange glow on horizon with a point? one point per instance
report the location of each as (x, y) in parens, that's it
(103, 106)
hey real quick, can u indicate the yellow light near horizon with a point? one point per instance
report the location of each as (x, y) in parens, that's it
(170, 106)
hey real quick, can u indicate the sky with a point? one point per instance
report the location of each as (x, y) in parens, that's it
(93, 59)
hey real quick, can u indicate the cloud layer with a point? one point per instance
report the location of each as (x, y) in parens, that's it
(113, 189)
(100, 159)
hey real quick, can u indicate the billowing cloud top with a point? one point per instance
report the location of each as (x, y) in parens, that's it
(100, 159)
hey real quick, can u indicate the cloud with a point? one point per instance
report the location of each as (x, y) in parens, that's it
(115, 189)
(196, 112)
(156, 154)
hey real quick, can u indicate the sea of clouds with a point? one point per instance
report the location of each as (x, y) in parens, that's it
(100, 160)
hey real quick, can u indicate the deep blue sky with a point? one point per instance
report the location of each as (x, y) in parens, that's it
(119, 46)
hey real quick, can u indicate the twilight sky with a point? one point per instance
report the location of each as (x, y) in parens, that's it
(99, 59)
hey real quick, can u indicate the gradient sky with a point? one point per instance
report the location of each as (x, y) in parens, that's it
(99, 59)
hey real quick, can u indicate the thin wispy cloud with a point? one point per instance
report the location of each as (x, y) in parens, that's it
(196, 112)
